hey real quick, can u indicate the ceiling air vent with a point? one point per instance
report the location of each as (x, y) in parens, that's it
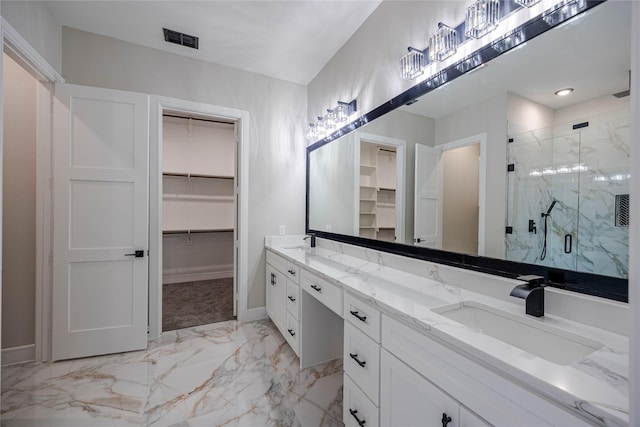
(180, 38)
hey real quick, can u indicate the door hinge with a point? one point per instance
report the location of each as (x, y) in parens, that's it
(511, 167)
(509, 230)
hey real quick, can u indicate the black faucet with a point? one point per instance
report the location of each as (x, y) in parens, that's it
(533, 294)
(311, 236)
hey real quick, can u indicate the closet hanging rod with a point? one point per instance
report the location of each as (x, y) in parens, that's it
(197, 118)
(213, 230)
(387, 150)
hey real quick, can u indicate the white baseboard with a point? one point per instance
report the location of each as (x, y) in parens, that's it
(194, 277)
(13, 355)
(255, 314)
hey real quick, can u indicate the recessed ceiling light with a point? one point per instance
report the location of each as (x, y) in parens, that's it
(564, 92)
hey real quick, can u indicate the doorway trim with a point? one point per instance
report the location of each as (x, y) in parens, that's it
(19, 49)
(241, 118)
(482, 182)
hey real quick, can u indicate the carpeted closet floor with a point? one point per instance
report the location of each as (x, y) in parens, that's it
(196, 303)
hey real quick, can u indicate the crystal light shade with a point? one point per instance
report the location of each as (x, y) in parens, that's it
(443, 43)
(527, 3)
(482, 17)
(341, 112)
(412, 64)
(320, 127)
(330, 120)
(311, 131)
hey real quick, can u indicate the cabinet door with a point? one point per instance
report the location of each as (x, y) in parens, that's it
(276, 294)
(408, 399)
(469, 419)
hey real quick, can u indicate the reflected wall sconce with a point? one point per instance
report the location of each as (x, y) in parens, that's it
(332, 120)
(412, 64)
(443, 43)
(482, 17)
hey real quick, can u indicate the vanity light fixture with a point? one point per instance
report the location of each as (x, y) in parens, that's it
(311, 131)
(329, 120)
(412, 64)
(527, 3)
(443, 43)
(344, 110)
(482, 17)
(320, 127)
(564, 92)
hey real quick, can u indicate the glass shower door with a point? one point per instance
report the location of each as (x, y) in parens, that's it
(543, 198)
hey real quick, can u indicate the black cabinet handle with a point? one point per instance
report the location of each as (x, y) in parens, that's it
(354, 414)
(292, 299)
(568, 243)
(358, 361)
(273, 279)
(293, 334)
(446, 419)
(357, 315)
(292, 272)
(316, 288)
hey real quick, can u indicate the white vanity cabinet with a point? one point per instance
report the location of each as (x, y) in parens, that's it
(413, 364)
(361, 362)
(283, 295)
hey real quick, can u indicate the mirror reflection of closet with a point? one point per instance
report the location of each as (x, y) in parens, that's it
(377, 216)
(198, 221)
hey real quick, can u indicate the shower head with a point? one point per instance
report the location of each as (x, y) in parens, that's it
(553, 203)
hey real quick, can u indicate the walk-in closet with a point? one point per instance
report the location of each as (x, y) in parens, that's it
(197, 221)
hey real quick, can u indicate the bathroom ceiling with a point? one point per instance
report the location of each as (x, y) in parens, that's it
(290, 40)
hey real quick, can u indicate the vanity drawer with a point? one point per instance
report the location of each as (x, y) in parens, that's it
(362, 361)
(291, 332)
(356, 404)
(362, 315)
(276, 261)
(293, 299)
(293, 272)
(327, 293)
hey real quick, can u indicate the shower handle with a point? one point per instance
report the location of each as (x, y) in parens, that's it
(568, 243)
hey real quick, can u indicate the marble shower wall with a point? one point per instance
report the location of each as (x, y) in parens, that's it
(583, 170)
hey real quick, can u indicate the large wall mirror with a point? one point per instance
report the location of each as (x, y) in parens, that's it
(493, 170)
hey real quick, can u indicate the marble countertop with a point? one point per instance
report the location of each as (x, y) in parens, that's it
(596, 385)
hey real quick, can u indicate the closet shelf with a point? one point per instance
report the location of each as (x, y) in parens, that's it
(386, 205)
(196, 175)
(367, 169)
(196, 198)
(365, 227)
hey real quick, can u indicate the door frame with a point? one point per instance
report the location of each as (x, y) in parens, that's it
(482, 183)
(241, 118)
(401, 166)
(17, 47)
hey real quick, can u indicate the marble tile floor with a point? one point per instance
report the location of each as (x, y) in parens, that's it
(222, 374)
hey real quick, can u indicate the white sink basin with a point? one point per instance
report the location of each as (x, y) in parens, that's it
(548, 342)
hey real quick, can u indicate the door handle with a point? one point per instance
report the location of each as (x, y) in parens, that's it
(137, 254)
(568, 243)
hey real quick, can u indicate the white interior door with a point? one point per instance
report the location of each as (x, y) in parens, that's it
(427, 198)
(100, 271)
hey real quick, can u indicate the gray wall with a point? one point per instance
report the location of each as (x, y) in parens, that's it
(36, 23)
(367, 67)
(277, 138)
(19, 206)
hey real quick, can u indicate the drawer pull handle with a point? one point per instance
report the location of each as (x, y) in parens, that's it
(357, 316)
(292, 299)
(358, 361)
(292, 272)
(446, 419)
(273, 279)
(293, 334)
(316, 288)
(354, 414)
